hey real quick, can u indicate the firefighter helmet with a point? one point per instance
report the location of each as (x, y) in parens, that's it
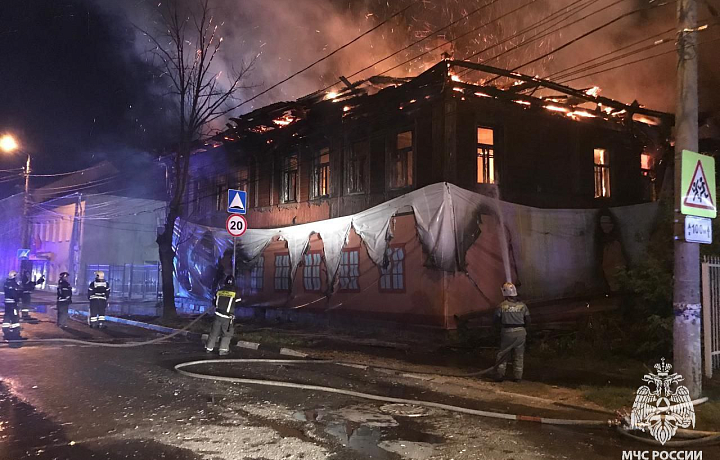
(509, 290)
(12, 275)
(64, 275)
(100, 275)
(230, 280)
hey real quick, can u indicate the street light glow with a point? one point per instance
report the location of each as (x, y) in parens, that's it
(8, 143)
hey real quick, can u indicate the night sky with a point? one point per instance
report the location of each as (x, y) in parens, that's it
(77, 89)
(72, 89)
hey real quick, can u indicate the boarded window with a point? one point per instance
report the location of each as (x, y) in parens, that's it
(282, 272)
(602, 173)
(485, 155)
(311, 271)
(349, 271)
(402, 161)
(256, 275)
(321, 174)
(289, 179)
(392, 277)
(356, 168)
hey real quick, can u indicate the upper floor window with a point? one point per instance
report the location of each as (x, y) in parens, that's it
(289, 179)
(602, 173)
(646, 164)
(282, 272)
(401, 168)
(321, 174)
(221, 193)
(356, 167)
(311, 271)
(485, 155)
(392, 277)
(349, 271)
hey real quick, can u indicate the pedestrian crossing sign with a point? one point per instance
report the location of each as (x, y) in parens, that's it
(698, 185)
(237, 200)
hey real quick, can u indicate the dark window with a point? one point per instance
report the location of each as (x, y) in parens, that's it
(282, 272)
(256, 275)
(350, 270)
(356, 168)
(321, 174)
(602, 173)
(485, 155)
(311, 271)
(392, 277)
(289, 179)
(402, 161)
(221, 193)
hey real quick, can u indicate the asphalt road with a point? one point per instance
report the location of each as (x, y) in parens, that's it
(83, 402)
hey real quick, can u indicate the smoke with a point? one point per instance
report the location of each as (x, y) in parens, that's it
(286, 35)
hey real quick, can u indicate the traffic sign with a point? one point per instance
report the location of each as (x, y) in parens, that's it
(698, 185)
(23, 254)
(698, 230)
(237, 200)
(236, 225)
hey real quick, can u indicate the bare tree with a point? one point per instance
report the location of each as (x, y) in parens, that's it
(184, 48)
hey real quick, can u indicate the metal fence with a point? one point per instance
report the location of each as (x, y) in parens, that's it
(129, 281)
(711, 314)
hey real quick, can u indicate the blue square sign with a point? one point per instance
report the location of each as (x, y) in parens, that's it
(237, 200)
(23, 254)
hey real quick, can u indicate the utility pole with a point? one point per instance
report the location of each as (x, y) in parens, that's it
(686, 290)
(25, 226)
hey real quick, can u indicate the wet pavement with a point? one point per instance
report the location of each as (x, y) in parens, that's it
(64, 401)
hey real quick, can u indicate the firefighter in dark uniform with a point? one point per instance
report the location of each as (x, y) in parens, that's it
(28, 286)
(225, 301)
(98, 294)
(64, 299)
(513, 317)
(11, 322)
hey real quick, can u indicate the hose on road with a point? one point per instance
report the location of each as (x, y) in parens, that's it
(373, 397)
(105, 344)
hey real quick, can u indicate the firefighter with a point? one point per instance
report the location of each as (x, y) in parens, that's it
(98, 294)
(28, 285)
(11, 322)
(225, 301)
(513, 317)
(64, 299)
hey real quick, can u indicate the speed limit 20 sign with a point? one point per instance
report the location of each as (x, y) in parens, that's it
(236, 225)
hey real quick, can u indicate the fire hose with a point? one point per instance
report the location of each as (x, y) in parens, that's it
(109, 345)
(704, 438)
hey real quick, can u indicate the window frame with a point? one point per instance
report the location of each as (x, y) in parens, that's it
(602, 173)
(319, 270)
(405, 157)
(340, 270)
(288, 173)
(277, 278)
(391, 262)
(321, 173)
(487, 158)
(258, 268)
(221, 186)
(362, 168)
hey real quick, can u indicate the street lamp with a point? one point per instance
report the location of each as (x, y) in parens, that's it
(8, 144)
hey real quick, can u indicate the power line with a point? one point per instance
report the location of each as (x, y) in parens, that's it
(586, 34)
(635, 62)
(327, 56)
(435, 32)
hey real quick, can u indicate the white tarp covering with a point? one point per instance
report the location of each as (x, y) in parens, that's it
(548, 243)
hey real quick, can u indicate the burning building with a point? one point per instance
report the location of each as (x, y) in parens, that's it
(380, 199)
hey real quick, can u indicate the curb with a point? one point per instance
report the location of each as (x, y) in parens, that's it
(265, 347)
(140, 324)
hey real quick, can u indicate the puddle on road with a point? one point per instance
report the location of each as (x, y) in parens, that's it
(373, 433)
